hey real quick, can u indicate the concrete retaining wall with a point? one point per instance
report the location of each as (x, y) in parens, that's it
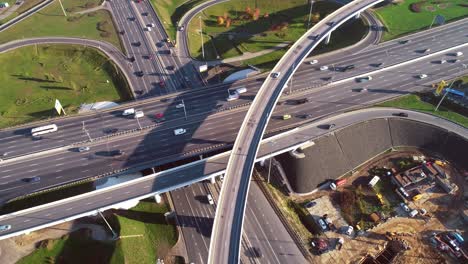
(341, 151)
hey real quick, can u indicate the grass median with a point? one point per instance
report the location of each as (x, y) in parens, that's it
(236, 27)
(50, 21)
(171, 11)
(413, 15)
(415, 102)
(42, 73)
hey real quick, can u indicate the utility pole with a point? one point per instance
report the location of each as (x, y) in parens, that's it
(201, 36)
(63, 9)
(446, 90)
(185, 112)
(310, 13)
(86, 131)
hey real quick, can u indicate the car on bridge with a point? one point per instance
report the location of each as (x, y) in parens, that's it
(32, 179)
(275, 74)
(422, 76)
(4, 228)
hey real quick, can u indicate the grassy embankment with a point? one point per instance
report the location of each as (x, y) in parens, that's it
(145, 236)
(51, 22)
(171, 11)
(400, 19)
(41, 74)
(278, 22)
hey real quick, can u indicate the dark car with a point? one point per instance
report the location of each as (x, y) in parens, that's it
(116, 152)
(139, 73)
(401, 114)
(137, 44)
(144, 13)
(349, 67)
(302, 101)
(32, 179)
(305, 116)
(122, 32)
(131, 18)
(170, 68)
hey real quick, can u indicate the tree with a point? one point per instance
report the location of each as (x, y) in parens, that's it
(316, 17)
(220, 20)
(256, 14)
(225, 15)
(248, 10)
(266, 15)
(228, 22)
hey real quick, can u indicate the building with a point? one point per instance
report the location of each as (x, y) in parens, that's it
(408, 177)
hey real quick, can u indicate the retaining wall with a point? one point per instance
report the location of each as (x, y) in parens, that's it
(341, 151)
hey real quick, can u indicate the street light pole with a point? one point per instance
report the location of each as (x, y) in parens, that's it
(310, 13)
(201, 36)
(185, 112)
(63, 9)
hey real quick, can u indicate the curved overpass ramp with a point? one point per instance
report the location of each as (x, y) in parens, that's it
(227, 228)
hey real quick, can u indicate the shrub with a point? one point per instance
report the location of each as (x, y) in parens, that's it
(416, 7)
(105, 34)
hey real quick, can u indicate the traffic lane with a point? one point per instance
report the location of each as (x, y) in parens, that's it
(120, 194)
(327, 104)
(257, 88)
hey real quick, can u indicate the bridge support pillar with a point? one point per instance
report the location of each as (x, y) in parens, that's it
(327, 40)
(358, 15)
(157, 198)
(213, 180)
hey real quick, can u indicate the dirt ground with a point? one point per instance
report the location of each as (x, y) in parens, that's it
(13, 249)
(444, 211)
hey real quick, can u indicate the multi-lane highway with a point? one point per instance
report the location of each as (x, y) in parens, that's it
(206, 128)
(86, 204)
(264, 233)
(227, 228)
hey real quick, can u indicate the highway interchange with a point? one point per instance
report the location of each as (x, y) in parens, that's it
(211, 121)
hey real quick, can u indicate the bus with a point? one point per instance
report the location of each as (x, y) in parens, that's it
(35, 132)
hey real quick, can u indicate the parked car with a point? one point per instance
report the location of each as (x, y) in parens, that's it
(322, 224)
(310, 204)
(405, 207)
(349, 230)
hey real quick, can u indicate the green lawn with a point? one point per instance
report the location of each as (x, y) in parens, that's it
(76, 248)
(157, 237)
(414, 102)
(400, 20)
(51, 22)
(41, 74)
(146, 219)
(279, 21)
(171, 11)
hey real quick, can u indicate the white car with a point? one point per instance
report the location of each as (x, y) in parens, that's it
(129, 111)
(322, 224)
(148, 29)
(232, 97)
(139, 114)
(442, 61)
(210, 199)
(5, 227)
(83, 149)
(179, 105)
(241, 90)
(458, 53)
(179, 131)
(422, 76)
(324, 68)
(312, 62)
(275, 74)
(349, 230)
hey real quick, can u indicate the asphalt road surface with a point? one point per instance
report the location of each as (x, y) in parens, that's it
(265, 239)
(86, 204)
(17, 141)
(205, 131)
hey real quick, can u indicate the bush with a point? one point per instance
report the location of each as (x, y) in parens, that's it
(416, 7)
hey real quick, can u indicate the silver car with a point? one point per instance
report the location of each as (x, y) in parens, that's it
(4, 228)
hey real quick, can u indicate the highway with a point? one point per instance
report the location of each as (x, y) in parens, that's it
(86, 204)
(264, 232)
(227, 227)
(207, 129)
(17, 142)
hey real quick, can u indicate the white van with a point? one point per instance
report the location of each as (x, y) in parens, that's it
(129, 111)
(458, 53)
(241, 90)
(139, 114)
